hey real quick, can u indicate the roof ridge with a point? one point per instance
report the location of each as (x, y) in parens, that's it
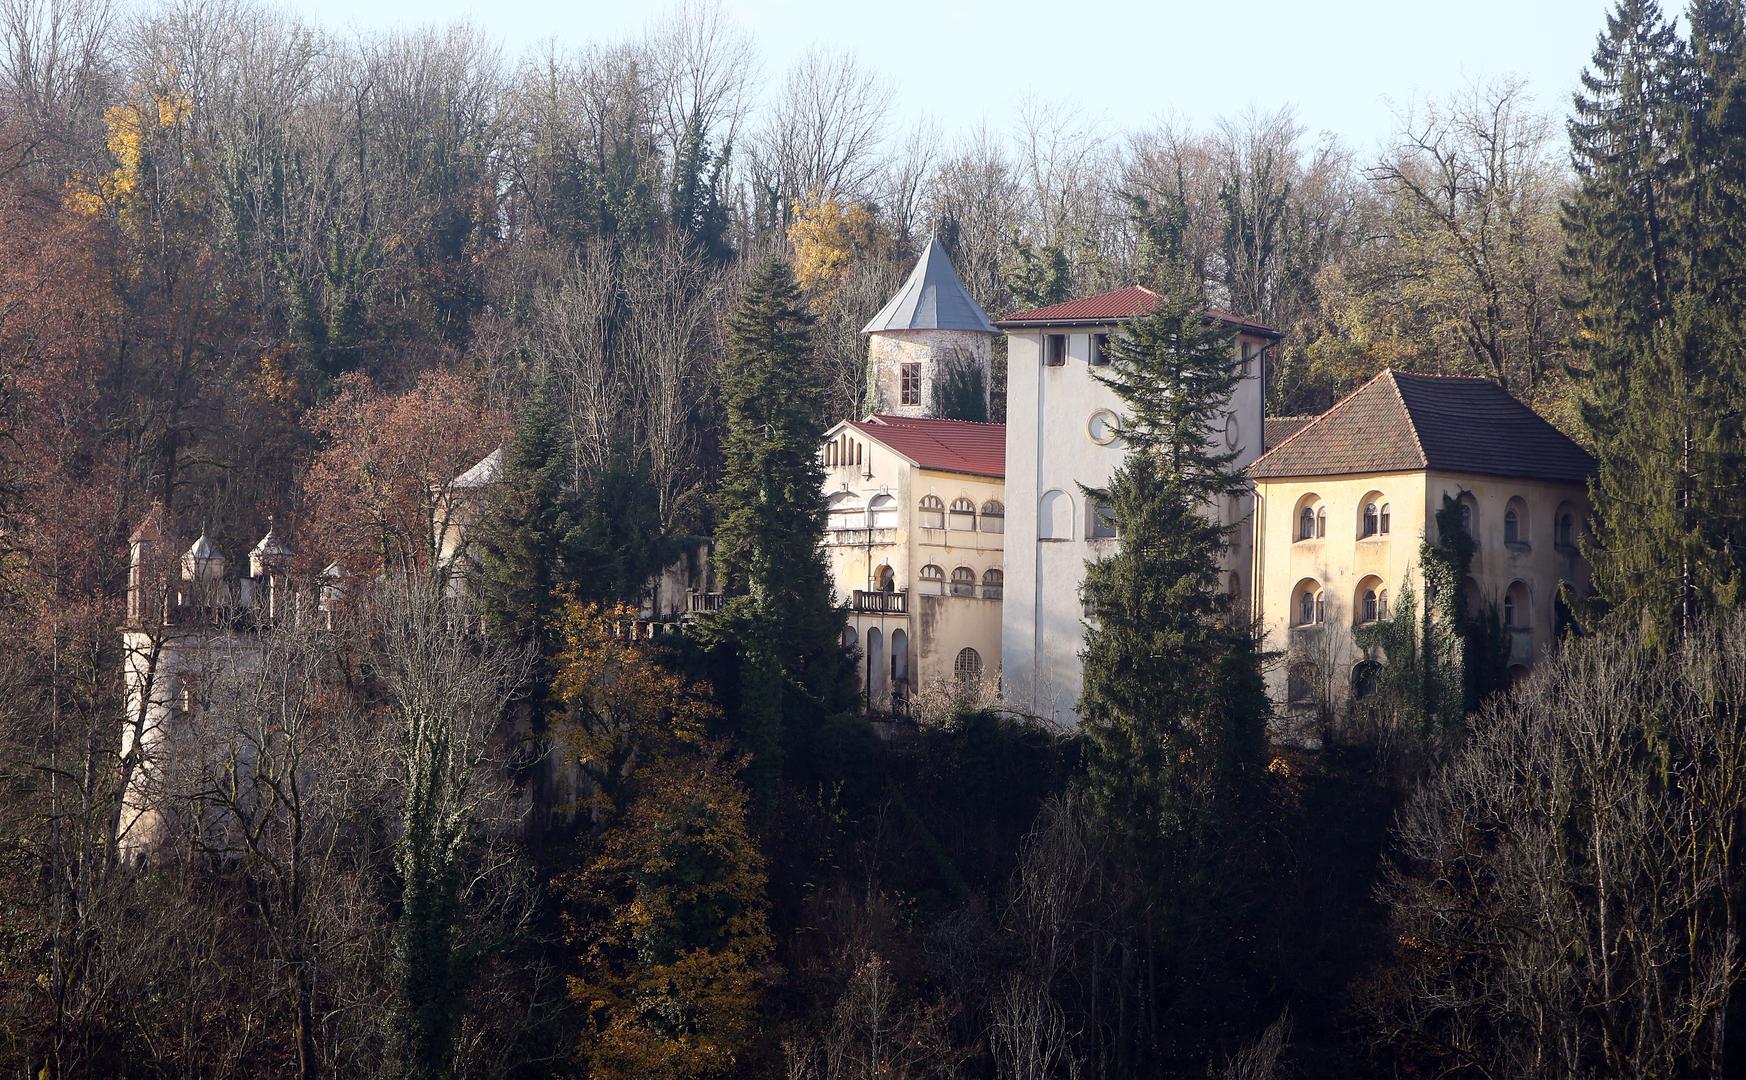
(1412, 421)
(1319, 417)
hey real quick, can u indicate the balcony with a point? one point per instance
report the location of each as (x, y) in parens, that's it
(860, 537)
(698, 603)
(864, 602)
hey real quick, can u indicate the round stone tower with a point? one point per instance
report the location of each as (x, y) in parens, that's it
(929, 349)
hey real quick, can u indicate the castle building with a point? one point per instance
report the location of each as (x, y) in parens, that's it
(188, 627)
(1344, 502)
(917, 518)
(1061, 422)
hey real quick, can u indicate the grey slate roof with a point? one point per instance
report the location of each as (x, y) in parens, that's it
(1401, 422)
(485, 472)
(932, 299)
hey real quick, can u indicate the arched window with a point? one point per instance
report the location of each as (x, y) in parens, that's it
(963, 515)
(1306, 523)
(1308, 609)
(963, 581)
(882, 512)
(884, 580)
(899, 658)
(993, 516)
(1372, 520)
(1055, 516)
(1100, 523)
(933, 575)
(993, 581)
(1564, 527)
(1517, 614)
(830, 454)
(967, 668)
(933, 512)
(1516, 521)
(1382, 604)
(1369, 600)
(848, 638)
(1384, 529)
(1365, 675)
(876, 683)
(1321, 522)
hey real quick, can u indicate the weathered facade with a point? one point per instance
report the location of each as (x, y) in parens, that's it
(1345, 503)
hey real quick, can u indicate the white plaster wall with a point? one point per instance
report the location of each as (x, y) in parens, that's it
(1049, 447)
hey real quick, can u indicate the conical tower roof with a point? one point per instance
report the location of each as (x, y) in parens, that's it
(932, 299)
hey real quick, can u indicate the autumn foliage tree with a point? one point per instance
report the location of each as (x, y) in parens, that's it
(380, 492)
(668, 915)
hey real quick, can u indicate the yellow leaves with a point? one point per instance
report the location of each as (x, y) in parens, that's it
(276, 381)
(827, 237)
(138, 132)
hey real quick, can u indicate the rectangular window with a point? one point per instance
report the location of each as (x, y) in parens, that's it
(1054, 349)
(911, 389)
(1099, 350)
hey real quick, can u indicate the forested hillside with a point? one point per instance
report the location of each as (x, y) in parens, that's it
(255, 272)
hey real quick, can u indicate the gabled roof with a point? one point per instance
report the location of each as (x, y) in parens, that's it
(1277, 429)
(1402, 422)
(485, 472)
(151, 527)
(932, 299)
(1118, 306)
(960, 446)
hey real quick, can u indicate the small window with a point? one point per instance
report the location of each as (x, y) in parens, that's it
(993, 517)
(1099, 350)
(968, 669)
(1382, 604)
(1564, 530)
(1368, 606)
(1306, 608)
(911, 389)
(1365, 676)
(1101, 521)
(932, 575)
(1054, 349)
(963, 515)
(1306, 524)
(1300, 681)
(1384, 516)
(1509, 612)
(993, 581)
(933, 512)
(1372, 520)
(1512, 527)
(963, 581)
(1321, 522)
(1249, 352)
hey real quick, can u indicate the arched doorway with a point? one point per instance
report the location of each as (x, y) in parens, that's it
(877, 681)
(899, 667)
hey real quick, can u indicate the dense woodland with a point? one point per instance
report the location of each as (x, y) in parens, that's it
(253, 271)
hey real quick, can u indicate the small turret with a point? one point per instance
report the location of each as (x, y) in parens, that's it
(202, 562)
(271, 557)
(931, 336)
(269, 565)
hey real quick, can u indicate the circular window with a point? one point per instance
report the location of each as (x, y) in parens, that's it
(1231, 431)
(1102, 427)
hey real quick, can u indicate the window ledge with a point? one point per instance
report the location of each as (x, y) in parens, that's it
(1518, 546)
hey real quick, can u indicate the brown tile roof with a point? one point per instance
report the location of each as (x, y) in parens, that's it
(1402, 422)
(1277, 429)
(960, 446)
(1117, 306)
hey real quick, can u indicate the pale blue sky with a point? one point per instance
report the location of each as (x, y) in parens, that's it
(1338, 63)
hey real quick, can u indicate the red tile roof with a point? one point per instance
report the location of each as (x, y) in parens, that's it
(1119, 305)
(1402, 422)
(1277, 429)
(959, 446)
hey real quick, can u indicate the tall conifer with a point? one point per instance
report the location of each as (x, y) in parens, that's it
(779, 611)
(1173, 710)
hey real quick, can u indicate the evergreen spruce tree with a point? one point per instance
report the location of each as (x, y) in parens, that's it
(778, 615)
(1173, 710)
(524, 539)
(1653, 230)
